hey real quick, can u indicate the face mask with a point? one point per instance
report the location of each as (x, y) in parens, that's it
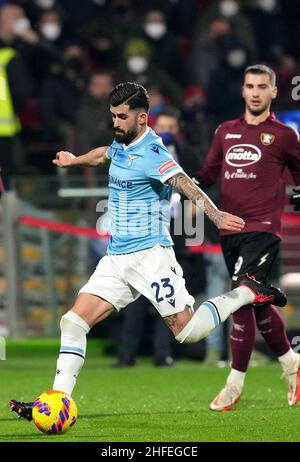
(167, 137)
(228, 8)
(21, 25)
(75, 63)
(266, 5)
(236, 58)
(51, 30)
(155, 30)
(137, 64)
(45, 4)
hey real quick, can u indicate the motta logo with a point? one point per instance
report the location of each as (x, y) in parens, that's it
(267, 138)
(241, 155)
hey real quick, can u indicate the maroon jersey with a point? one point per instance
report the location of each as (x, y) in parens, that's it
(251, 160)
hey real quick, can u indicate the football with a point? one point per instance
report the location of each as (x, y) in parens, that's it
(54, 412)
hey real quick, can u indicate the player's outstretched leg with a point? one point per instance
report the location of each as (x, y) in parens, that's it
(263, 293)
(218, 309)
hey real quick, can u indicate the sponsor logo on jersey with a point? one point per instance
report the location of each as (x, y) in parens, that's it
(232, 135)
(124, 184)
(167, 166)
(240, 174)
(241, 155)
(267, 138)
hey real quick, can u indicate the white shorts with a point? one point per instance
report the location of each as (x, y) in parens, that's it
(154, 273)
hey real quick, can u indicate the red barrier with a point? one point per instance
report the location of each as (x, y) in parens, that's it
(92, 233)
(62, 228)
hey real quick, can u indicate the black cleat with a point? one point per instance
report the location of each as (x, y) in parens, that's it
(264, 293)
(22, 409)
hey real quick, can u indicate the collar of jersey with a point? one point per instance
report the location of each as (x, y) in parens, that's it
(271, 118)
(134, 143)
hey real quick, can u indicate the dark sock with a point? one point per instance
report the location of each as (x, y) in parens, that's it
(242, 338)
(271, 326)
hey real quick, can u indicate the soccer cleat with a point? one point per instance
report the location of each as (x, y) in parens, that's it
(292, 376)
(228, 397)
(23, 409)
(263, 293)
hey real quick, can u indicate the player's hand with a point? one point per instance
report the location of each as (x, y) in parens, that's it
(230, 222)
(63, 159)
(295, 199)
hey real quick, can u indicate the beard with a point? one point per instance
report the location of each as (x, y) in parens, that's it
(258, 111)
(126, 138)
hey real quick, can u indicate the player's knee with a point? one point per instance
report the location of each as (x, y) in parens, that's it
(73, 324)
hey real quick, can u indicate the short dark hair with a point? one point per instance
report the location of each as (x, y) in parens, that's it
(261, 69)
(130, 93)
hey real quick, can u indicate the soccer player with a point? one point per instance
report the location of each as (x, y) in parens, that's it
(140, 258)
(250, 154)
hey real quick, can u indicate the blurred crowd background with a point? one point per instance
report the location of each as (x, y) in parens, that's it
(189, 54)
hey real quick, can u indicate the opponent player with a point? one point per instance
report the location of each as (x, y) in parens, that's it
(140, 257)
(251, 154)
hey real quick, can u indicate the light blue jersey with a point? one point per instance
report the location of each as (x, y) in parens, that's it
(139, 204)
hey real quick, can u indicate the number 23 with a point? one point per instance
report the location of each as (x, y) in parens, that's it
(165, 284)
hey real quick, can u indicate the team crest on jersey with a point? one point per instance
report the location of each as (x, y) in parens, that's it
(267, 138)
(131, 158)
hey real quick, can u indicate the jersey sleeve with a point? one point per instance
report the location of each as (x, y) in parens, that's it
(292, 155)
(160, 164)
(212, 164)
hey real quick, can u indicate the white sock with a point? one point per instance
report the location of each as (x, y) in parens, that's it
(232, 301)
(287, 360)
(211, 313)
(72, 351)
(236, 377)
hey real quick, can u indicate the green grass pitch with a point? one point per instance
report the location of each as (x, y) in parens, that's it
(145, 404)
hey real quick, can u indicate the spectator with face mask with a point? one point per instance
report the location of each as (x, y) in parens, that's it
(35, 46)
(50, 26)
(93, 121)
(61, 92)
(234, 12)
(47, 50)
(138, 66)
(223, 105)
(269, 26)
(164, 46)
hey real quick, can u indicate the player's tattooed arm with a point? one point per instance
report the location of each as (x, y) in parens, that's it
(225, 221)
(92, 158)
